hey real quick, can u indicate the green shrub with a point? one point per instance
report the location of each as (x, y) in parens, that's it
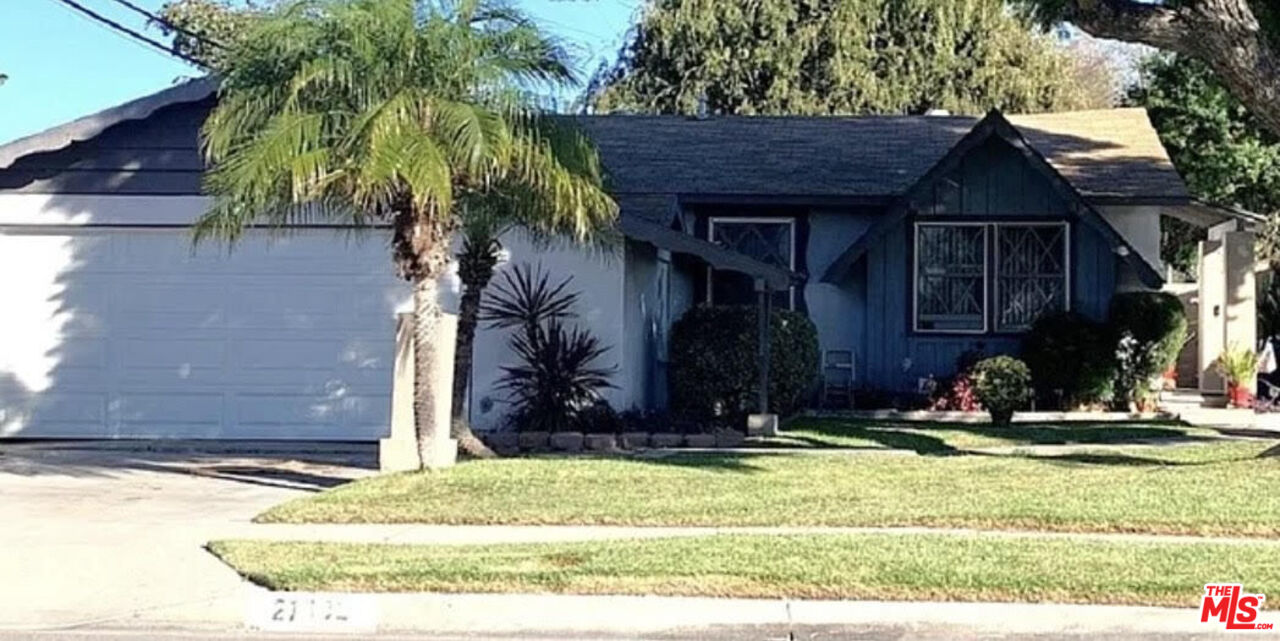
(1148, 330)
(1071, 360)
(714, 363)
(1003, 384)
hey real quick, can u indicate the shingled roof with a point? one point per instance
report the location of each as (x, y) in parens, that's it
(1105, 154)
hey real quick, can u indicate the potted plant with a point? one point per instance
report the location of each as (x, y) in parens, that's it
(1003, 384)
(1240, 367)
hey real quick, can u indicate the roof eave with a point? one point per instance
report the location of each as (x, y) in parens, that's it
(90, 126)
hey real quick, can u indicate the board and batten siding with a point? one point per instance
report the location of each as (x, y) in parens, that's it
(993, 183)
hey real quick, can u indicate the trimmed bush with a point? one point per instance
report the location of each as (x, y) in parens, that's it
(1148, 330)
(714, 368)
(1071, 360)
(1003, 384)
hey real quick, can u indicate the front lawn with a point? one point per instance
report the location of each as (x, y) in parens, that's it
(908, 567)
(1219, 488)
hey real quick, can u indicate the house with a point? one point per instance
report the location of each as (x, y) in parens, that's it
(907, 240)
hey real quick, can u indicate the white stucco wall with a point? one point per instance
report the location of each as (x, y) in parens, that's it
(1139, 225)
(599, 277)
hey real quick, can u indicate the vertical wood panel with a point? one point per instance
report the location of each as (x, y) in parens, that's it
(994, 182)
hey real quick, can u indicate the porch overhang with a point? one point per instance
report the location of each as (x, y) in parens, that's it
(1209, 215)
(718, 257)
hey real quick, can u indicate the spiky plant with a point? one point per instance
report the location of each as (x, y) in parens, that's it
(374, 112)
(557, 375)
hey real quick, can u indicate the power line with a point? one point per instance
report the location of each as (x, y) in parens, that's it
(163, 22)
(126, 31)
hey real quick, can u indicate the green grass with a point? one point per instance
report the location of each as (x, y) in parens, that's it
(909, 567)
(951, 438)
(1220, 488)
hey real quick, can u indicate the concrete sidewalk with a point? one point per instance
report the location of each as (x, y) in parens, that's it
(540, 616)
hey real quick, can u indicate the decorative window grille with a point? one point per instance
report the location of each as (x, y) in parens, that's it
(1031, 273)
(951, 277)
(768, 240)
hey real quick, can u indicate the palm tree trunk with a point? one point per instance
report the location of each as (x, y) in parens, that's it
(426, 329)
(475, 268)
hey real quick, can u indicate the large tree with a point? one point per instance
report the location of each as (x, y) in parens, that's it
(205, 30)
(1238, 39)
(394, 112)
(1225, 153)
(840, 56)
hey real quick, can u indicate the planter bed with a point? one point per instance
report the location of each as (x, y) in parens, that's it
(510, 443)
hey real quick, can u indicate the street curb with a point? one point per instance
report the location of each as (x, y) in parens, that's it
(557, 616)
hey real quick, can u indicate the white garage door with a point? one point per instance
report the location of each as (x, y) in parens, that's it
(121, 333)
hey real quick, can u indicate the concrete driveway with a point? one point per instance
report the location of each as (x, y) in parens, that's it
(109, 536)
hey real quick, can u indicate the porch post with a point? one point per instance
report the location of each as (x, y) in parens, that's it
(763, 299)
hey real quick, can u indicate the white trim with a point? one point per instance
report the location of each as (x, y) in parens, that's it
(789, 220)
(80, 210)
(915, 277)
(1066, 266)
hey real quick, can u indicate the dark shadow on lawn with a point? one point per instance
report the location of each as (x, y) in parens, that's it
(738, 462)
(1109, 458)
(915, 435)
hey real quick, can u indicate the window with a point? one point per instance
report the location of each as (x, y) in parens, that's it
(1031, 273)
(1024, 266)
(768, 240)
(951, 277)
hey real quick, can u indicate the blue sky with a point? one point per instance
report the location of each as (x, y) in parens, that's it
(62, 66)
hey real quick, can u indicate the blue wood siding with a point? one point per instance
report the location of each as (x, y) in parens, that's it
(994, 182)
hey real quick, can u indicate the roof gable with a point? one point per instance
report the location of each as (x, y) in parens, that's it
(992, 127)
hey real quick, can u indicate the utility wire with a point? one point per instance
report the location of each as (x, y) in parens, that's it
(167, 24)
(126, 31)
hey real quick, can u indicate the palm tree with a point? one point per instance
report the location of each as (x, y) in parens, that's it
(395, 112)
(488, 217)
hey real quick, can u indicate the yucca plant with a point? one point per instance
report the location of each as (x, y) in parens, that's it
(396, 112)
(1239, 365)
(558, 374)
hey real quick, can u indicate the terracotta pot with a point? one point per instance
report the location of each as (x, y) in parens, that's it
(1239, 395)
(1001, 417)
